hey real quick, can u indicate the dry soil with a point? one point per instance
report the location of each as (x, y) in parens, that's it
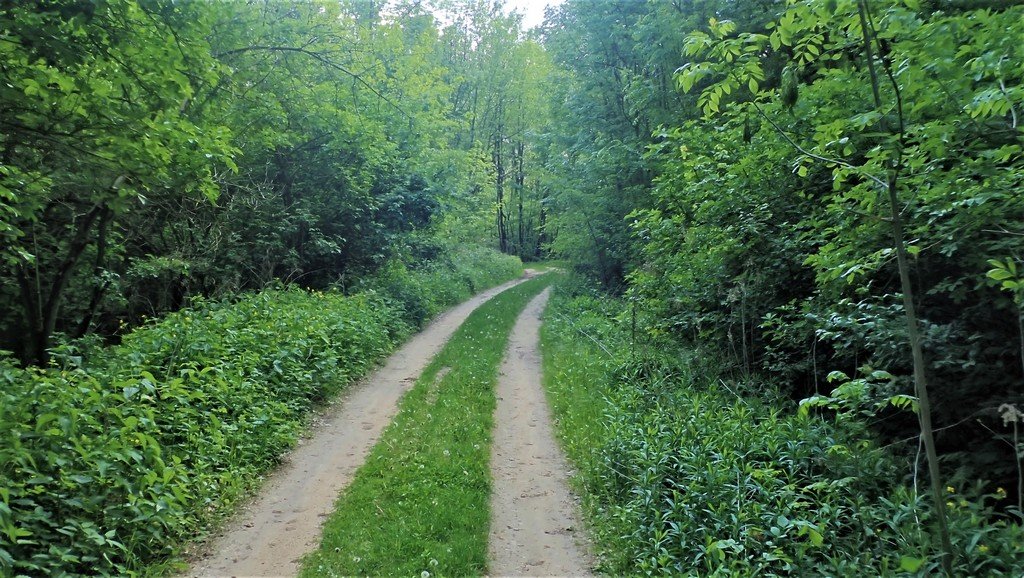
(535, 525)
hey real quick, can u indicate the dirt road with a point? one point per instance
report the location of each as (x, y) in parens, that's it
(535, 527)
(268, 536)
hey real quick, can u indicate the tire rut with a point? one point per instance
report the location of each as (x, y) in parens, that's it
(535, 525)
(269, 536)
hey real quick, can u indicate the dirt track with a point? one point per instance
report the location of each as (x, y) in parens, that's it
(535, 527)
(269, 535)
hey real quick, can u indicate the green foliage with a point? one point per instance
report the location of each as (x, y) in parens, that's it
(170, 427)
(155, 151)
(420, 503)
(683, 477)
(425, 291)
(768, 237)
(108, 463)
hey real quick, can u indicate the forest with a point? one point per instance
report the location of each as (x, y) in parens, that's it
(786, 243)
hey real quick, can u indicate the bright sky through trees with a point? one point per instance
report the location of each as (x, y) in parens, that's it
(532, 10)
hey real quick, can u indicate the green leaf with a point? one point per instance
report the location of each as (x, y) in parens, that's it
(910, 564)
(837, 376)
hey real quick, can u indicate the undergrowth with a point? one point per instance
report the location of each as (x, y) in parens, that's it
(423, 292)
(682, 474)
(420, 504)
(112, 458)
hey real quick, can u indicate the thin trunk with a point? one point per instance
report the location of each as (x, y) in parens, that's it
(601, 254)
(40, 315)
(33, 316)
(499, 168)
(913, 333)
(542, 238)
(101, 286)
(472, 116)
(1020, 330)
(67, 267)
(743, 328)
(520, 182)
(920, 381)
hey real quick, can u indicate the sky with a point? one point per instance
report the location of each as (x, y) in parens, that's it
(532, 10)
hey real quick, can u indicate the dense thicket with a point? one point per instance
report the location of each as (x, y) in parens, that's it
(177, 423)
(152, 151)
(685, 473)
(732, 173)
(829, 206)
(161, 155)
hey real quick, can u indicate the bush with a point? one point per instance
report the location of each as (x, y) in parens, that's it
(424, 291)
(110, 461)
(682, 474)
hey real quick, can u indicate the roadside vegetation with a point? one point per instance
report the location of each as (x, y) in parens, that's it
(686, 470)
(183, 418)
(806, 216)
(420, 505)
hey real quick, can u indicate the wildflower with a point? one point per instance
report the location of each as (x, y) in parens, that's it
(1000, 493)
(1010, 413)
(951, 489)
(424, 574)
(447, 453)
(950, 504)
(433, 562)
(983, 548)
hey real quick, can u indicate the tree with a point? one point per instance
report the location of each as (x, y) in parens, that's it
(897, 140)
(104, 121)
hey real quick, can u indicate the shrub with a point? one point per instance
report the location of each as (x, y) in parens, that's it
(424, 291)
(109, 461)
(682, 474)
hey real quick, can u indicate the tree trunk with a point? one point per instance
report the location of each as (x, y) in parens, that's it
(903, 263)
(499, 186)
(41, 315)
(520, 182)
(542, 228)
(101, 286)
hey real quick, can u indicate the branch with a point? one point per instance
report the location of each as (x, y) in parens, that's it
(808, 153)
(321, 59)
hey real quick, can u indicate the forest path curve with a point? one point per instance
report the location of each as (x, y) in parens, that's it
(269, 535)
(535, 525)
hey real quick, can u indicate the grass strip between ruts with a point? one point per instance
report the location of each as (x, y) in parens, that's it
(420, 503)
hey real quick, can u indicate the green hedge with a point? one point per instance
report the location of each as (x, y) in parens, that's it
(110, 462)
